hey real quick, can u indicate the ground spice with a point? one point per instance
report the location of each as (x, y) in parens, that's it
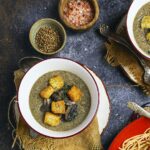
(79, 12)
(47, 40)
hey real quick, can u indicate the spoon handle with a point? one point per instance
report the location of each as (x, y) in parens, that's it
(121, 40)
(138, 109)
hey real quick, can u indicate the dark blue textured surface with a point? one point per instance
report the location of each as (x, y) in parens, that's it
(16, 18)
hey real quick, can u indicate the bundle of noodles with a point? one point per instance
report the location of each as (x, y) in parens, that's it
(139, 142)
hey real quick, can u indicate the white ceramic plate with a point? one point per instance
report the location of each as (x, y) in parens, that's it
(104, 109)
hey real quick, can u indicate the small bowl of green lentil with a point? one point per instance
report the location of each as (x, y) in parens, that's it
(47, 36)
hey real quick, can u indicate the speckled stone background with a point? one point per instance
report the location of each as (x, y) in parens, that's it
(16, 18)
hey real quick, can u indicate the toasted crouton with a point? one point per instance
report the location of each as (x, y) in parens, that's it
(58, 107)
(47, 92)
(145, 24)
(148, 36)
(75, 94)
(56, 82)
(52, 119)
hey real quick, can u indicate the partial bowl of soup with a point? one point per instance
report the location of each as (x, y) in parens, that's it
(138, 26)
(58, 97)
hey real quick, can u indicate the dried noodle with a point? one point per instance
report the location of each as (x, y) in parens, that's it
(138, 142)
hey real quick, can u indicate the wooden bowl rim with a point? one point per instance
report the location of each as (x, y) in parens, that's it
(84, 27)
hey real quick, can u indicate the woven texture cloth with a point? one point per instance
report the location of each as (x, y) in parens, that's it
(89, 139)
(120, 56)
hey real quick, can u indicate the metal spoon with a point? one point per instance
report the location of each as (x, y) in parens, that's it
(26, 63)
(105, 31)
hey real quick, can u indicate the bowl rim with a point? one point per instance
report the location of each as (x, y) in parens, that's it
(91, 120)
(128, 25)
(84, 27)
(58, 24)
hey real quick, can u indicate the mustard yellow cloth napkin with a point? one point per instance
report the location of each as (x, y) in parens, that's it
(89, 139)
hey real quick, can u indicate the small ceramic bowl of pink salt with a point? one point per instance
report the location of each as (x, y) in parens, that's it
(79, 14)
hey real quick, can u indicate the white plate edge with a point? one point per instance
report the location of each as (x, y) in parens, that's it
(104, 109)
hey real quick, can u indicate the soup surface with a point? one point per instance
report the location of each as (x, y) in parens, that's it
(139, 33)
(83, 106)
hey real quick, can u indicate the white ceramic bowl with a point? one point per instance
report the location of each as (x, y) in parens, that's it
(52, 65)
(134, 8)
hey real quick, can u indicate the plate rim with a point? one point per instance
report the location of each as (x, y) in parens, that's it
(108, 98)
